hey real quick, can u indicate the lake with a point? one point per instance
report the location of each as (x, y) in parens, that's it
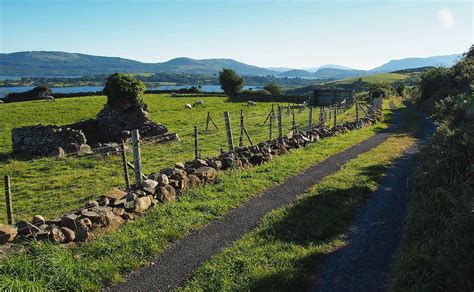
(74, 89)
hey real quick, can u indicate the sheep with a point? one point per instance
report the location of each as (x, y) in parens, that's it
(199, 102)
(251, 103)
(1, 101)
(49, 98)
(173, 94)
(188, 106)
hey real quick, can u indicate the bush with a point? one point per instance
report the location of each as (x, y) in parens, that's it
(36, 93)
(124, 91)
(273, 88)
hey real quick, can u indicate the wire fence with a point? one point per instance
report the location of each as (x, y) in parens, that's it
(53, 186)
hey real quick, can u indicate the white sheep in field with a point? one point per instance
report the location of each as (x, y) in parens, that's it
(49, 98)
(251, 103)
(188, 106)
(199, 102)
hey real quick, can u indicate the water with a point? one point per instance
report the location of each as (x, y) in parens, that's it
(74, 89)
(8, 77)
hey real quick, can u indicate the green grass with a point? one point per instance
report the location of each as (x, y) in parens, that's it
(104, 261)
(384, 77)
(282, 254)
(51, 187)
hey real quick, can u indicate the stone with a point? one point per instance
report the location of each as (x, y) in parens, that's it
(257, 159)
(118, 203)
(69, 235)
(84, 149)
(103, 201)
(197, 163)
(149, 185)
(162, 179)
(93, 216)
(227, 163)
(206, 173)
(69, 221)
(56, 236)
(87, 222)
(91, 204)
(166, 194)
(38, 220)
(131, 197)
(81, 232)
(115, 193)
(129, 206)
(179, 165)
(118, 211)
(217, 164)
(193, 180)
(142, 204)
(7, 233)
(26, 228)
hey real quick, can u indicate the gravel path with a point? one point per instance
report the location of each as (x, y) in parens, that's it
(176, 264)
(364, 263)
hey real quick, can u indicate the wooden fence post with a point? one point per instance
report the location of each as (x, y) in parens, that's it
(136, 158)
(125, 167)
(293, 123)
(196, 150)
(357, 109)
(241, 137)
(310, 124)
(271, 125)
(230, 139)
(280, 127)
(8, 200)
(207, 121)
(335, 115)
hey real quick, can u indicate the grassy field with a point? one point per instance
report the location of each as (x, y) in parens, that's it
(284, 252)
(104, 261)
(385, 77)
(50, 186)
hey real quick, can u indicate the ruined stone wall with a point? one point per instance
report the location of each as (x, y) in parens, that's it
(46, 140)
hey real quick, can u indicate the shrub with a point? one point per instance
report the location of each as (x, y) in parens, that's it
(273, 88)
(39, 92)
(124, 91)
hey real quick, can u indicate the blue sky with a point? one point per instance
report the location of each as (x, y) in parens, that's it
(291, 33)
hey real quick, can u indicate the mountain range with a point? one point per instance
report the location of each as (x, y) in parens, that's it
(47, 63)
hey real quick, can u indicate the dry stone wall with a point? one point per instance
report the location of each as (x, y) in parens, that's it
(118, 206)
(47, 140)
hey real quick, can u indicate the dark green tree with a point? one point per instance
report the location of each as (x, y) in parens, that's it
(124, 91)
(273, 88)
(230, 82)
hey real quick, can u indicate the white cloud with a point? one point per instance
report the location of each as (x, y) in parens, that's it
(445, 18)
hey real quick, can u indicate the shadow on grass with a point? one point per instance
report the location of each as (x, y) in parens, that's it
(317, 219)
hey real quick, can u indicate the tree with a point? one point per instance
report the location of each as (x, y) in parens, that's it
(230, 82)
(273, 88)
(124, 91)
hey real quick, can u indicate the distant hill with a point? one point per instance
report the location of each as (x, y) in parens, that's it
(297, 73)
(407, 63)
(332, 66)
(44, 63)
(41, 63)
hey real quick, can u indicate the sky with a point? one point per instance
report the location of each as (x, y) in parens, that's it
(266, 33)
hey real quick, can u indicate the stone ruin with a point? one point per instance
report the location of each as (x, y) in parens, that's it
(111, 126)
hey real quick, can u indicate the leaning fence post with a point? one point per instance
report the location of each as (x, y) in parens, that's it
(310, 124)
(357, 109)
(335, 115)
(207, 121)
(230, 139)
(125, 167)
(136, 158)
(8, 200)
(280, 130)
(196, 150)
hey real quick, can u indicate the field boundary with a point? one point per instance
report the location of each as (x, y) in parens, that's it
(176, 263)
